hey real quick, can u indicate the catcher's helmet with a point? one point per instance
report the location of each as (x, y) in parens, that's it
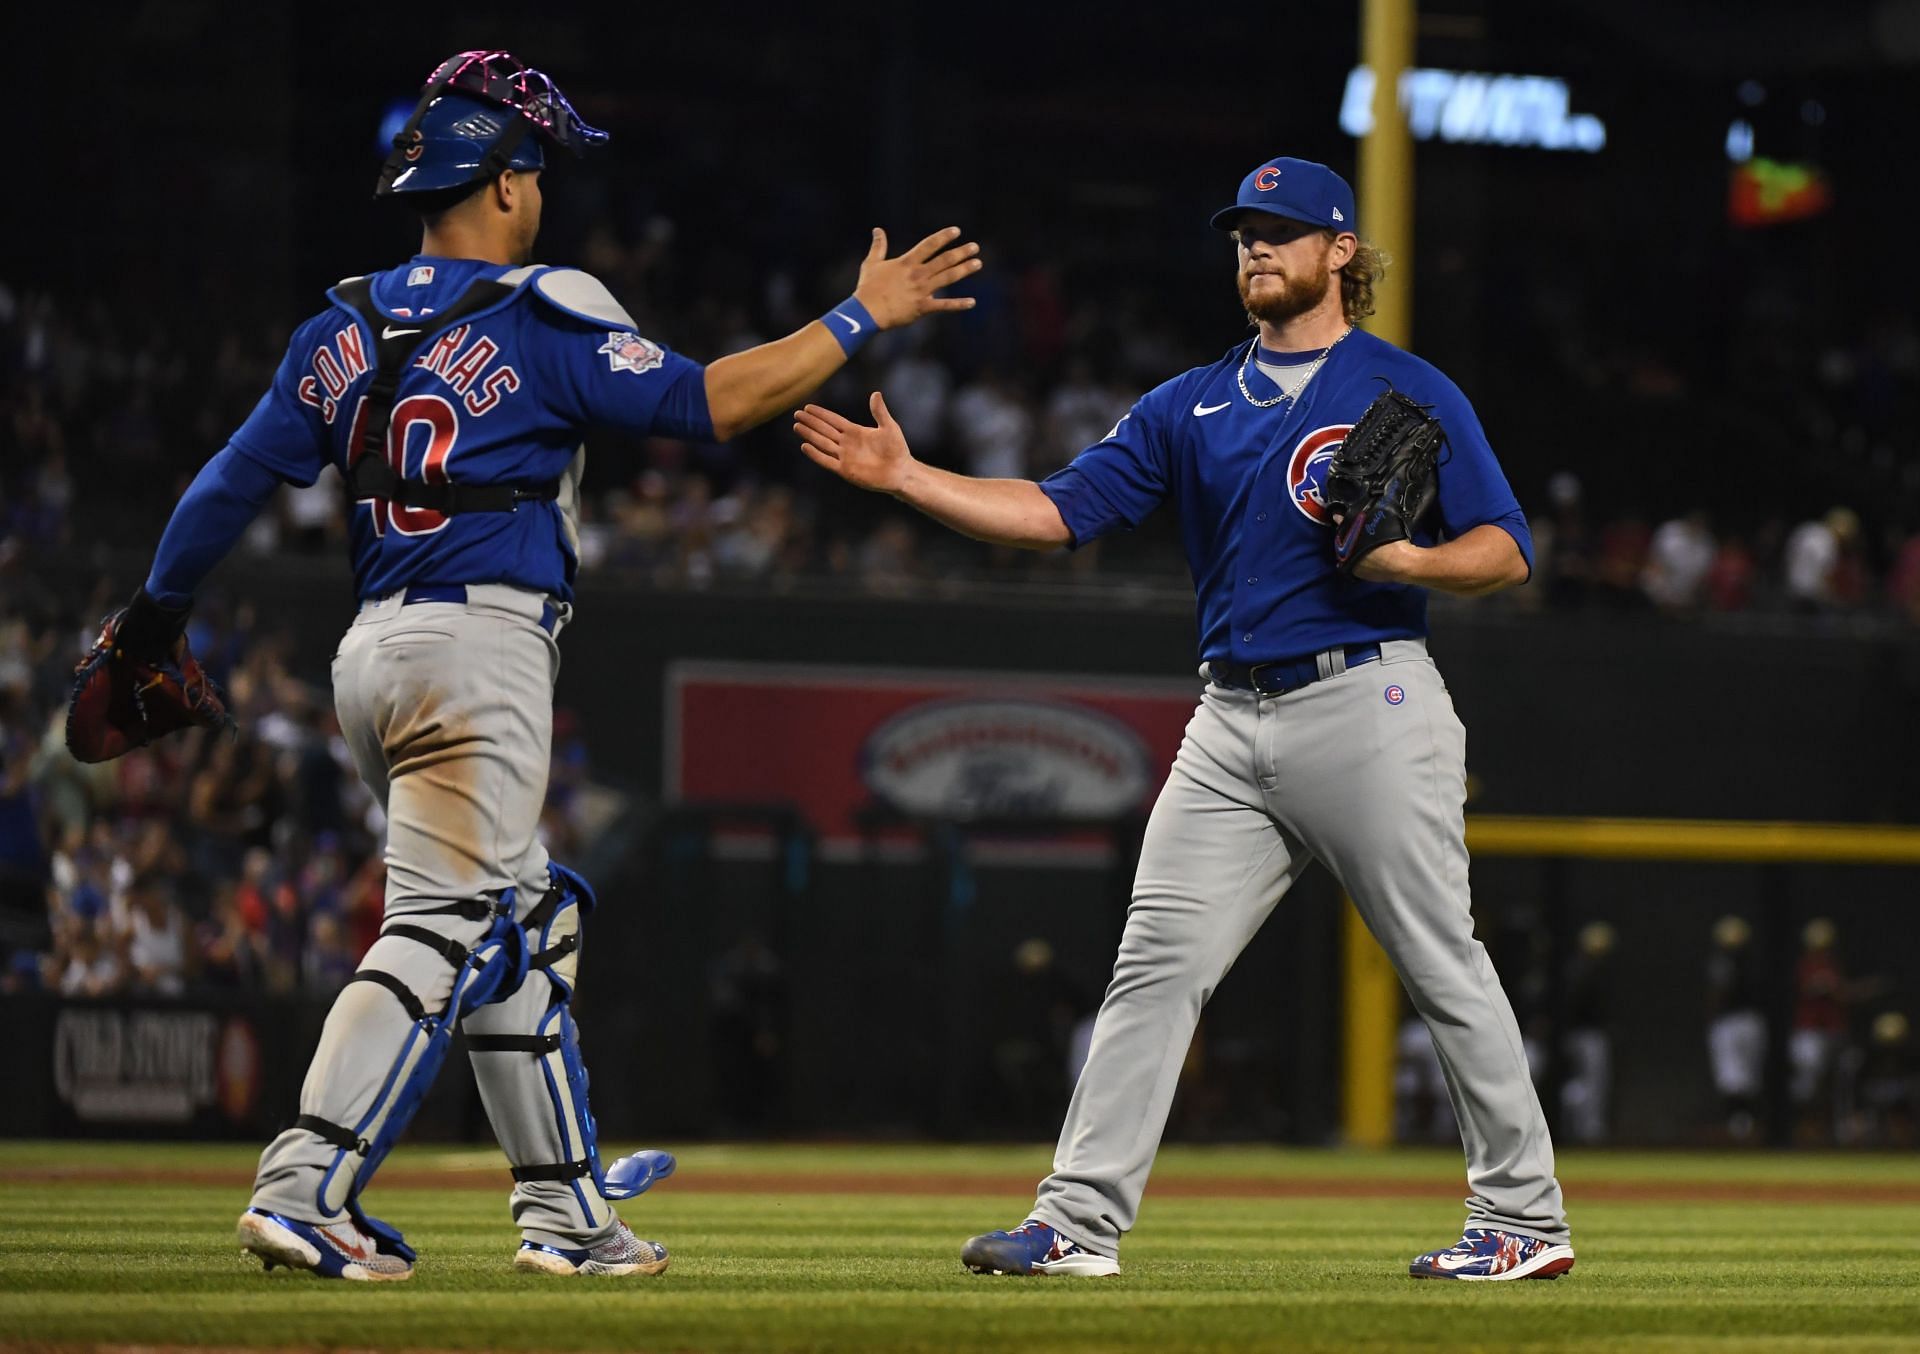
(472, 123)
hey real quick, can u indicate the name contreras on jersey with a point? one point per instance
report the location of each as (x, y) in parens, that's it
(462, 365)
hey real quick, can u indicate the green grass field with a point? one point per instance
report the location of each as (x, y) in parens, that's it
(113, 1245)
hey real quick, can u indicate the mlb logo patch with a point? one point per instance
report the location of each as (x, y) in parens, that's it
(627, 351)
(420, 276)
(1395, 695)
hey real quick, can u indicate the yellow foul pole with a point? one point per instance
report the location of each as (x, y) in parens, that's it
(1385, 189)
(1371, 991)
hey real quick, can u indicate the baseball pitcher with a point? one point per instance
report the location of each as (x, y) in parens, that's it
(1324, 481)
(450, 393)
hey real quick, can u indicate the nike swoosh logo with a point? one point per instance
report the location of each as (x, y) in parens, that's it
(391, 332)
(353, 1250)
(853, 325)
(1202, 410)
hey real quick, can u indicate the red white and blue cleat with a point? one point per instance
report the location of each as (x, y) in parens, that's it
(1034, 1248)
(334, 1250)
(619, 1255)
(1485, 1254)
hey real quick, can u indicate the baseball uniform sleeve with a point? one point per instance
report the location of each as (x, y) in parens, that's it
(285, 432)
(596, 375)
(1473, 489)
(210, 518)
(1116, 484)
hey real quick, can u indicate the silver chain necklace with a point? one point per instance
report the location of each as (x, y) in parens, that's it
(1285, 394)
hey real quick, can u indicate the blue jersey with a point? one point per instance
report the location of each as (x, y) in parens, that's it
(1246, 482)
(503, 397)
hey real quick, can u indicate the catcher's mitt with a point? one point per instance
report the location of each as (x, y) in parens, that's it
(1383, 478)
(140, 682)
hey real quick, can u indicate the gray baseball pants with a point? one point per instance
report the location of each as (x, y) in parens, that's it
(1365, 771)
(447, 708)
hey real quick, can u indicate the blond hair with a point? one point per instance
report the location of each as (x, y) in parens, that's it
(1357, 278)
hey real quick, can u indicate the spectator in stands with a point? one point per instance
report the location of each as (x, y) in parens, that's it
(1890, 1083)
(85, 963)
(918, 388)
(327, 961)
(1563, 543)
(1729, 582)
(992, 428)
(1736, 1026)
(155, 938)
(1678, 560)
(228, 952)
(1822, 563)
(1903, 579)
(1080, 412)
(1586, 1094)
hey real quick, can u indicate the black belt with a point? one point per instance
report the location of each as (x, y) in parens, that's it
(456, 592)
(1289, 674)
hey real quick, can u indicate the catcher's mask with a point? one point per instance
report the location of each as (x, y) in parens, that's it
(473, 120)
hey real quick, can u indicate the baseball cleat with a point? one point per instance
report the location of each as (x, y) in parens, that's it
(1034, 1248)
(621, 1253)
(334, 1250)
(1485, 1254)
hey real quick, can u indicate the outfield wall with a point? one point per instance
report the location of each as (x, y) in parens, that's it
(897, 1001)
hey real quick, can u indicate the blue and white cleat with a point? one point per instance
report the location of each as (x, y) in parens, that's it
(334, 1250)
(1034, 1248)
(620, 1254)
(1485, 1255)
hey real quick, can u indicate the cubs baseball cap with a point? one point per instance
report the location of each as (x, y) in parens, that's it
(1300, 190)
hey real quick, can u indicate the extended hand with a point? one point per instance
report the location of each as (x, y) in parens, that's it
(870, 458)
(899, 291)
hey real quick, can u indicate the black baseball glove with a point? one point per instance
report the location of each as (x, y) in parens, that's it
(1384, 477)
(140, 682)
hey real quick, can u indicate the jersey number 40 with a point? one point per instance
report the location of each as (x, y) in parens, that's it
(442, 428)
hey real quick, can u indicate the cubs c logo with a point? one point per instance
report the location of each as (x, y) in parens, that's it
(1395, 695)
(1267, 179)
(1307, 471)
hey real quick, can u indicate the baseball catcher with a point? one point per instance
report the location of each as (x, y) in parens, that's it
(450, 394)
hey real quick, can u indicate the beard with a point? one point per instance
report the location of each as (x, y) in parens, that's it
(1296, 295)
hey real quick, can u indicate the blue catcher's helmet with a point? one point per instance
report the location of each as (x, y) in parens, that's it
(473, 120)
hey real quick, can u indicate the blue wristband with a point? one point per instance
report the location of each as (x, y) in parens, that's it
(850, 325)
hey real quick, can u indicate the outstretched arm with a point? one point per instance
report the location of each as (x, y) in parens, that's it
(1001, 512)
(747, 389)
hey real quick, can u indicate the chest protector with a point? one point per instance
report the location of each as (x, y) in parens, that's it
(370, 474)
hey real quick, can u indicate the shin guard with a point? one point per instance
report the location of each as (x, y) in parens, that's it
(493, 967)
(526, 1059)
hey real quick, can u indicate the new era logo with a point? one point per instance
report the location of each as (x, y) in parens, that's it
(1337, 216)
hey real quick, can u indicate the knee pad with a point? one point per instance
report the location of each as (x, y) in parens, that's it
(488, 971)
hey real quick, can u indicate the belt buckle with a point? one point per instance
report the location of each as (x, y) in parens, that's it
(1253, 680)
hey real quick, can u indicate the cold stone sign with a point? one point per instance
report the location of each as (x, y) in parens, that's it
(972, 759)
(162, 1067)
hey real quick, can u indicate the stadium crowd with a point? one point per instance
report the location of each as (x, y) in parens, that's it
(97, 412)
(245, 862)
